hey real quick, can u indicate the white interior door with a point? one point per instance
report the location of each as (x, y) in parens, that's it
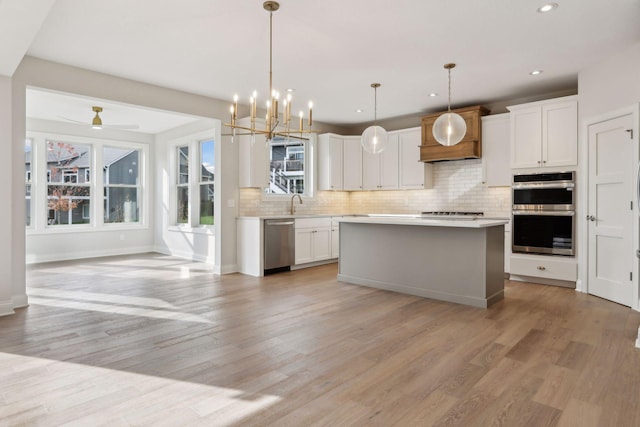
(610, 216)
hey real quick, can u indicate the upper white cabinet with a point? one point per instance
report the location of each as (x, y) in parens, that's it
(413, 174)
(380, 171)
(496, 149)
(330, 153)
(545, 133)
(352, 163)
(252, 167)
(344, 165)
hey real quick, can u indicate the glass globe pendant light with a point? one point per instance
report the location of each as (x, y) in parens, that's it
(449, 128)
(374, 138)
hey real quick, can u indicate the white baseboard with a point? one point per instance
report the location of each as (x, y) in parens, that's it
(6, 308)
(638, 339)
(186, 255)
(20, 301)
(225, 269)
(34, 259)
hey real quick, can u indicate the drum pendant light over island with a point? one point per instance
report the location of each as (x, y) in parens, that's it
(449, 128)
(374, 138)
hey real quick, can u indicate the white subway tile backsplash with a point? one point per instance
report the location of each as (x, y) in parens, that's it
(457, 187)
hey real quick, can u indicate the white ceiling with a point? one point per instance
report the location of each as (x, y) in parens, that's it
(330, 51)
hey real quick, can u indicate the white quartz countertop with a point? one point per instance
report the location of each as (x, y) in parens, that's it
(399, 220)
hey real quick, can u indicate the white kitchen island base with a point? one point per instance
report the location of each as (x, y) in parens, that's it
(455, 261)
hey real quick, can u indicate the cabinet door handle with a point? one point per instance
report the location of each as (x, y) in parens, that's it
(538, 161)
(541, 268)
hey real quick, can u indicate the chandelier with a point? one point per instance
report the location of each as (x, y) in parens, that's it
(272, 117)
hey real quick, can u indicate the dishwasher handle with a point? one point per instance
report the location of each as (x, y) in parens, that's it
(278, 222)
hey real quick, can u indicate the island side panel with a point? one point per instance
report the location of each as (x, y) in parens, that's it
(495, 264)
(446, 263)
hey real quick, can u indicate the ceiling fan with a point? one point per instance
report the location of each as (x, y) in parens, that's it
(96, 123)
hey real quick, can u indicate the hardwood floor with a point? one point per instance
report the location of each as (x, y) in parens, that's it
(155, 340)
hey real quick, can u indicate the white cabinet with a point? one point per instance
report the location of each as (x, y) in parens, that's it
(544, 267)
(412, 173)
(330, 164)
(335, 236)
(313, 239)
(496, 149)
(253, 154)
(380, 171)
(352, 163)
(545, 133)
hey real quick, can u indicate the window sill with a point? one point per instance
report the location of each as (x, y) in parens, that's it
(64, 229)
(205, 229)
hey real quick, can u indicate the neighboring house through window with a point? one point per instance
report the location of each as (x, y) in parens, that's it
(182, 185)
(121, 179)
(66, 198)
(287, 166)
(207, 162)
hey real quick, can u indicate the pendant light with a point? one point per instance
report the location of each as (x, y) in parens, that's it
(449, 128)
(374, 138)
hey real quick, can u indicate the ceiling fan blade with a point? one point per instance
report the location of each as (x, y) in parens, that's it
(73, 121)
(122, 127)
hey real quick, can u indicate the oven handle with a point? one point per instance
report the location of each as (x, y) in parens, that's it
(543, 185)
(545, 213)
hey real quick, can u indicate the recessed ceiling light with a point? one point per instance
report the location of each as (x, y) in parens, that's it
(432, 94)
(547, 7)
(535, 72)
(290, 90)
(359, 110)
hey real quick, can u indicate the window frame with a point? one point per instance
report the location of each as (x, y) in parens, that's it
(137, 186)
(310, 172)
(193, 188)
(41, 180)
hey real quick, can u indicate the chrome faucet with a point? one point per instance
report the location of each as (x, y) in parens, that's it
(293, 209)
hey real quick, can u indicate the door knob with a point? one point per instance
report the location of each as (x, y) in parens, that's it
(591, 218)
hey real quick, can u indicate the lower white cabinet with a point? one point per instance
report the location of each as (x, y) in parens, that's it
(313, 239)
(544, 266)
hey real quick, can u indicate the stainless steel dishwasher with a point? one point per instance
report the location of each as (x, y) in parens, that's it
(279, 244)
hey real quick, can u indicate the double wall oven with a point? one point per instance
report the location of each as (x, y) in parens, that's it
(544, 213)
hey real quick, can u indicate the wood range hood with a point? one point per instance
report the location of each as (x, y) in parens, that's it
(469, 148)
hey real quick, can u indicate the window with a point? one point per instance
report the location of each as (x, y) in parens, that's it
(182, 185)
(121, 180)
(206, 181)
(66, 198)
(70, 176)
(287, 172)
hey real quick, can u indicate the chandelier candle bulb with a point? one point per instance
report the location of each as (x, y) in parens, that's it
(232, 111)
(310, 113)
(301, 122)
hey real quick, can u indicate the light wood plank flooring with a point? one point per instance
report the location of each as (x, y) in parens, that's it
(155, 340)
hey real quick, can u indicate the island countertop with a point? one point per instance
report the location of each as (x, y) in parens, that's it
(401, 220)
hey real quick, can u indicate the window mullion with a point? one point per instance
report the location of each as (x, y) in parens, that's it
(96, 183)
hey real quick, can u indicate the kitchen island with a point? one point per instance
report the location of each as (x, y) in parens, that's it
(459, 261)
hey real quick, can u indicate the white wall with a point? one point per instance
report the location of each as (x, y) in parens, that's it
(605, 87)
(611, 84)
(47, 244)
(197, 243)
(43, 74)
(6, 247)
